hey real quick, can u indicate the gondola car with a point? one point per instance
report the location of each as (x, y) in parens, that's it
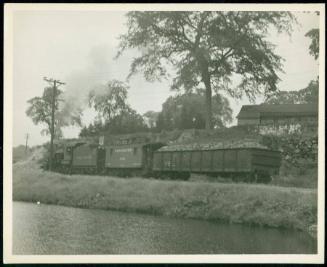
(251, 163)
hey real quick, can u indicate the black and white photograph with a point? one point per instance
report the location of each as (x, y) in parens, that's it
(158, 133)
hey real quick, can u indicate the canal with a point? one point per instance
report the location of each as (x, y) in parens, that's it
(48, 229)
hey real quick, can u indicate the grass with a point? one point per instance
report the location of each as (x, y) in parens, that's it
(256, 204)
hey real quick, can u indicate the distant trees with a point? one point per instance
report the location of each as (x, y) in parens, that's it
(207, 49)
(187, 111)
(306, 95)
(40, 108)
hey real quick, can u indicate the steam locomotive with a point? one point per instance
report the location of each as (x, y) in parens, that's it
(143, 156)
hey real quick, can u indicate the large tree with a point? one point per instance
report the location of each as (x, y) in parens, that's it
(207, 48)
(40, 109)
(187, 111)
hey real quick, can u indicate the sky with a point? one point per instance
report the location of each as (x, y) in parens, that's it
(78, 48)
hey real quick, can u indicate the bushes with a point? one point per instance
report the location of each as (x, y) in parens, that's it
(299, 159)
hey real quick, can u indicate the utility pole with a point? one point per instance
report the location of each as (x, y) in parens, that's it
(26, 136)
(54, 83)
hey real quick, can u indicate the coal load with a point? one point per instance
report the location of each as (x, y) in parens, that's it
(230, 144)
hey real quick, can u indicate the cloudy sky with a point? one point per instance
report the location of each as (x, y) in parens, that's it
(77, 47)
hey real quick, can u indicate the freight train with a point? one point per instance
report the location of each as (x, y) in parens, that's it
(141, 156)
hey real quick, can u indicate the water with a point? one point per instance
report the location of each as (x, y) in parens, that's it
(48, 229)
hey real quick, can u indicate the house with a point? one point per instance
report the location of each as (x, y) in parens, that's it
(283, 114)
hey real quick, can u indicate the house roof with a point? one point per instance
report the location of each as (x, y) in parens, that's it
(282, 110)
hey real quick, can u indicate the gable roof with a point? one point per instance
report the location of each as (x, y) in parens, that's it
(282, 110)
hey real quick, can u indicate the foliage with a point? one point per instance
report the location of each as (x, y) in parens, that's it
(40, 108)
(128, 121)
(115, 116)
(303, 96)
(110, 101)
(313, 34)
(187, 111)
(207, 48)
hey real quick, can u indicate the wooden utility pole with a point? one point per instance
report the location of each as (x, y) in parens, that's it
(26, 136)
(54, 83)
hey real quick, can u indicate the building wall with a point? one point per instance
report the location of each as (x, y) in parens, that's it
(289, 120)
(312, 120)
(284, 125)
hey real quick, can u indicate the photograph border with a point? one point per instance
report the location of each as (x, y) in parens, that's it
(8, 257)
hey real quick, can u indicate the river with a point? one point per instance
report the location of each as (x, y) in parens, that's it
(49, 229)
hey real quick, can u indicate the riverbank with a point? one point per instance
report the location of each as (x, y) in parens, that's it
(255, 204)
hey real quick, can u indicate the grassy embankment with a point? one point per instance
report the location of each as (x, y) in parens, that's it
(240, 203)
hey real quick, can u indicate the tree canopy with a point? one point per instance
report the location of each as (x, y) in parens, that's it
(313, 34)
(39, 111)
(207, 48)
(110, 100)
(187, 111)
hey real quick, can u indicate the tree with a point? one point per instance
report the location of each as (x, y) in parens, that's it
(313, 34)
(207, 48)
(39, 111)
(128, 121)
(314, 46)
(115, 116)
(306, 95)
(109, 101)
(187, 111)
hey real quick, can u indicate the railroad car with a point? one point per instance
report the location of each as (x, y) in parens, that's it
(252, 163)
(88, 158)
(130, 159)
(140, 156)
(64, 156)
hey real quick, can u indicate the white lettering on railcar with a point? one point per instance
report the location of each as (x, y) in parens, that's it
(123, 150)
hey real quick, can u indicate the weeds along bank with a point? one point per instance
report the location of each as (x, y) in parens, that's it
(240, 203)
